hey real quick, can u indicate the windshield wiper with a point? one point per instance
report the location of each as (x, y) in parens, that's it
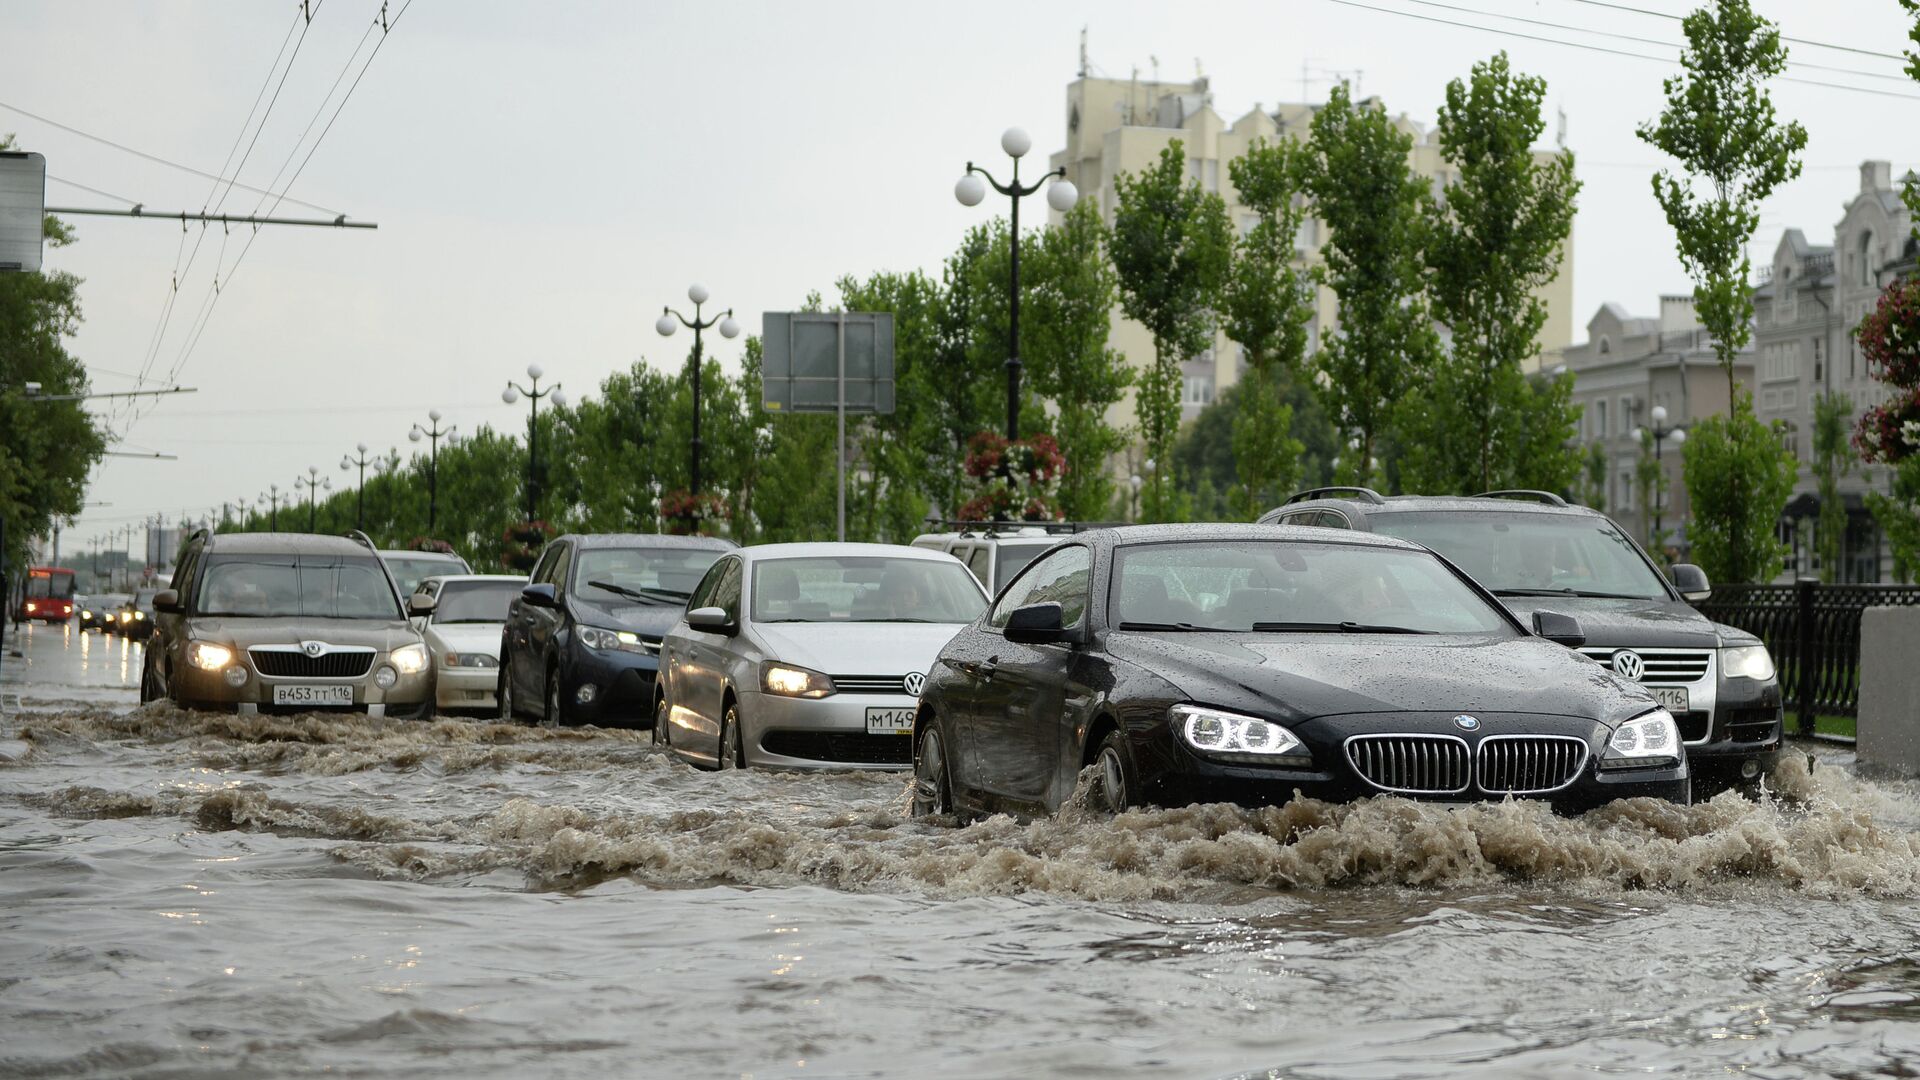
(1585, 593)
(1129, 625)
(1336, 627)
(631, 594)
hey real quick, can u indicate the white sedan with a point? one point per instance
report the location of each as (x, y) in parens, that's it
(809, 656)
(463, 634)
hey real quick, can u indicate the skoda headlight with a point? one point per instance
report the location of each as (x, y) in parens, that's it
(790, 681)
(207, 656)
(1747, 662)
(595, 637)
(409, 659)
(1235, 737)
(1644, 742)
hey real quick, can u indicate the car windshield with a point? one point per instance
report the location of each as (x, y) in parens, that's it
(476, 601)
(410, 570)
(864, 588)
(1259, 585)
(1528, 553)
(310, 586)
(659, 575)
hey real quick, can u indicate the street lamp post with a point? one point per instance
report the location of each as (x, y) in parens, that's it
(512, 394)
(1061, 195)
(315, 484)
(728, 329)
(360, 513)
(1661, 433)
(271, 497)
(433, 433)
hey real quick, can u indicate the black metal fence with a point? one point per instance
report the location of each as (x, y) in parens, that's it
(1813, 631)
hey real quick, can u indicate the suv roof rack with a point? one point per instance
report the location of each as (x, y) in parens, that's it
(1014, 528)
(1366, 494)
(1528, 494)
(362, 539)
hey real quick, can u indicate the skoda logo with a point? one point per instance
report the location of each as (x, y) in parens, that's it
(914, 683)
(1466, 723)
(1628, 665)
(312, 648)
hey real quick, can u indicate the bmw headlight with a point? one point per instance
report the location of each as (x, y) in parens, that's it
(1229, 735)
(409, 659)
(790, 681)
(1644, 742)
(207, 656)
(1747, 662)
(595, 637)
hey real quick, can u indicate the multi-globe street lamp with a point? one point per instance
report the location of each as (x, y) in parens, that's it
(1061, 195)
(434, 433)
(347, 462)
(728, 329)
(1661, 435)
(315, 483)
(271, 497)
(512, 394)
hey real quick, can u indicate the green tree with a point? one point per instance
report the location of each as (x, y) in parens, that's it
(1172, 247)
(1494, 238)
(1373, 206)
(1071, 305)
(1719, 123)
(1832, 461)
(899, 452)
(1593, 486)
(1650, 488)
(1910, 187)
(1268, 302)
(968, 368)
(1206, 454)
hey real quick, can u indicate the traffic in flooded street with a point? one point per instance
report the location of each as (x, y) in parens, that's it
(212, 894)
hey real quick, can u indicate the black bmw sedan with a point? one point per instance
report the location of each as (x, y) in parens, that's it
(1238, 663)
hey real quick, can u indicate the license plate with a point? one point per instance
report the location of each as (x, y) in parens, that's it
(313, 695)
(1671, 698)
(890, 721)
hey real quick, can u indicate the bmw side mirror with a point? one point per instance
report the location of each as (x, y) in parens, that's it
(711, 620)
(422, 604)
(1559, 628)
(1691, 581)
(541, 595)
(1036, 624)
(167, 600)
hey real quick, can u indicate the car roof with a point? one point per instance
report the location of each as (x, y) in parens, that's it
(448, 578)
(278, 543)
(409, 554)
(1358, 505)
(817, 549)
(1140, 534)
(1029, 534)
(589, 541)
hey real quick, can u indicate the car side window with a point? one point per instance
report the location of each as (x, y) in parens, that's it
(726, 591)
(980, 561)
(557, 573)
(1059, 578)
(543, 568)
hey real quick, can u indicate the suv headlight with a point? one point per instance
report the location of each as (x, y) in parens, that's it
(1747, 662)
(595, 637)
(409, 659)
(1229, 735)
(790, 681)
(207, 656)
(1644, 742)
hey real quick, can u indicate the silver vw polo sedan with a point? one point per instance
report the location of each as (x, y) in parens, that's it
(809, 656)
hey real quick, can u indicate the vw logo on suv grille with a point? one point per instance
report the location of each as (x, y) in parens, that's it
(914, 683)
(1628, 665)
(1466, 723)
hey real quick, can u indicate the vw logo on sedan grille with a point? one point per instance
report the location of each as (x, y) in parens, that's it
(913, 683)
(1466, 723)
(1628, 665)
(313, 648)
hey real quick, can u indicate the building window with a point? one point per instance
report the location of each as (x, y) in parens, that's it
(1790, 437)
(1600, 424)
(1606, 345)
(1819, 357)
(1626, 490)
(1196, 390)
(1625, 417)
(1866, 262)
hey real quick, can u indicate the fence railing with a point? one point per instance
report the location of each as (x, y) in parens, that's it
(1813, 631)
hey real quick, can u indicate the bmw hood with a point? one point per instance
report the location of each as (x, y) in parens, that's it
(1625, 624)
(653, 620)
(858, 648)
(1295, 677)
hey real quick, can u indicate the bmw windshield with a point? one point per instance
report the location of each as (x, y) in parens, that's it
(1532, 554)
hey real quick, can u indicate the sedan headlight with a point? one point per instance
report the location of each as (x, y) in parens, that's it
(1229, 735)
(789, 681)
(207, 656)
(471, 660)
(1747, 662)
(595, 637)
(1644, 742)
(409, 659)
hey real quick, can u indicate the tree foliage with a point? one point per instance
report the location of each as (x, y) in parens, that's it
(1738, 479)
(1832, 460)
(1493, 239)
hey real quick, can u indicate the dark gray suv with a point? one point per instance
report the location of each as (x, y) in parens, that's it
(1538, 553)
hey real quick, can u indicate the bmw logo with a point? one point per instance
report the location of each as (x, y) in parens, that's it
(1466, 723)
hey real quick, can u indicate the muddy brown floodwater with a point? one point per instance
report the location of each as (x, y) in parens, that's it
(197, 895)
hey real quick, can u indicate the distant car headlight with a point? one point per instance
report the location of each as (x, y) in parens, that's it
(1644, 742)
(789, 681)
(1747, 662)
(409, 659)
(1230, 735)
(207, 656)
(85, 614)
(595, 637)
(470, 660)
(139, 614)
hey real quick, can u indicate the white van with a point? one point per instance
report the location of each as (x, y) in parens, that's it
(997, 552)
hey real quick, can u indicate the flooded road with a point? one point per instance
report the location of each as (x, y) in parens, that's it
(198, 895)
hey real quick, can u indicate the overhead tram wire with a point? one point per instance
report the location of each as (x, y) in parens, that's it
(1791, 40)
(94, 190)
(1669, 61)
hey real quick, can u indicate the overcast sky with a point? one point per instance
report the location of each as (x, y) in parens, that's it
(547, 175)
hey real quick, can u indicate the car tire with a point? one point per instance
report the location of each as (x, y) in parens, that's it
(932, 776)
(553, 711)
(729, 754)
(149, 684)
(1116, 787)
(660, 721)
(503, 694)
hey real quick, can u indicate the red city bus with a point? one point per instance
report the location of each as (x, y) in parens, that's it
(48, 595)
